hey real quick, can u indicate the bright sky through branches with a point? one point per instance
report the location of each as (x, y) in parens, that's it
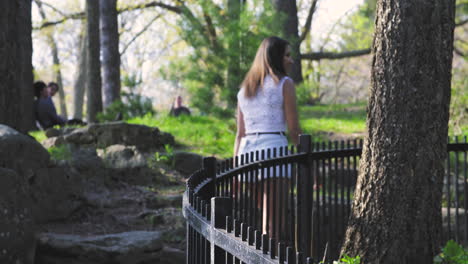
(329, 11)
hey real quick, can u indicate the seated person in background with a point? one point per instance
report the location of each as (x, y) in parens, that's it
(53, 89)
(44, 108)
(178, 109)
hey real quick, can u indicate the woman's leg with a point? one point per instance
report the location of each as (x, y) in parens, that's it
(275, 208)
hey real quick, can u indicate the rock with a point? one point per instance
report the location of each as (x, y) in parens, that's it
(120, 156)
(21, 153)
(133, 247)
(104, 135)
(187, 163)
(140, 136)
(17, 240)
(86, 160)
(80, 136)
(55, 193)
(53, 142)
(52, 132)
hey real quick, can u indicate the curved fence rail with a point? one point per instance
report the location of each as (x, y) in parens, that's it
(291, 205)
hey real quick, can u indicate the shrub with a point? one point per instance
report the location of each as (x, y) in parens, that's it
(61, 152)
(132, 104)
(452, 253)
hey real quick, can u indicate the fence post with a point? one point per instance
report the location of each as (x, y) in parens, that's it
(209, 166)
(220, 208)
(304, 201)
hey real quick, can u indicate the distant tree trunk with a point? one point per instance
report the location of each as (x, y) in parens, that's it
(233, 72)
(58, 76)
(287, 10)
(110, 51)
(80, 79)
(16, 93)
(56, 63)
(93, 84)
(396, 216)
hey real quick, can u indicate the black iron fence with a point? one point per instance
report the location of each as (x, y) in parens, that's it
(291, 205)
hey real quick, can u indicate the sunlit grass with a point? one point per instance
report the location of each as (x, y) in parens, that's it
(39, 135)
(344, 119)
(200, 134)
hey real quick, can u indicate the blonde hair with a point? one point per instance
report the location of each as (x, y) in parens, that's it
(268, 61)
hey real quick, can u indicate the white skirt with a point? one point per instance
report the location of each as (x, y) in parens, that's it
(258, 142)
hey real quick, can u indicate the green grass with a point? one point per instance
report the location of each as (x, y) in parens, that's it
(200, 134)
(61, 152)
(39, 135)
(342, 119)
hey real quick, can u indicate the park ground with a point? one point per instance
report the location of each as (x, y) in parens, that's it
(214, 136)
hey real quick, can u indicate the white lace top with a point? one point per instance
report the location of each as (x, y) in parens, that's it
(265, 111)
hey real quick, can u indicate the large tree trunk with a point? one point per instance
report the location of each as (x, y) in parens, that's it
(93, 84)
(80, 79)
(396, 216)
(56, 63)
(287, 10)
(110, 51)
(16, 93)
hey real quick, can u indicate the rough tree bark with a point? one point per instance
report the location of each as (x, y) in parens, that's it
(93, 83)
(110, 51)
(16, 78)
(396, 216)
(288, 12)
(80, 79)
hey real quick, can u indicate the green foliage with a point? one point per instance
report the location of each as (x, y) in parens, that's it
(223, 47)
(452, 253)
(357, 30)
(348, 260)
(306, 93)
(133, 104)
(61, 152)
(167, 157)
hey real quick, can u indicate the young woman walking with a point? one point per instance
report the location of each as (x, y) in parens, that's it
(266, 107)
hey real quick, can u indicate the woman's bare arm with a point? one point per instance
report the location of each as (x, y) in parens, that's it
(290, 110)
(240, 130)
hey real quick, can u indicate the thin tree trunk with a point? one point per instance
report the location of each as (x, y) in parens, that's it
(110, 51)
(58, 76)
(396, 216)
(56, 63)
(287, 10)
(16, 93)
(80, 80)
(93, 84)
(233, 72)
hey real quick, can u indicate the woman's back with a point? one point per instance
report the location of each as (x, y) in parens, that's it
(264, 112)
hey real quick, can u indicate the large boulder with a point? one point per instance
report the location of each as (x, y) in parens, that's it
(103, 135)
(17, 240)
(56, 193)
(21, 153)
(135, 247)
(143, 137)
(121, 156)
